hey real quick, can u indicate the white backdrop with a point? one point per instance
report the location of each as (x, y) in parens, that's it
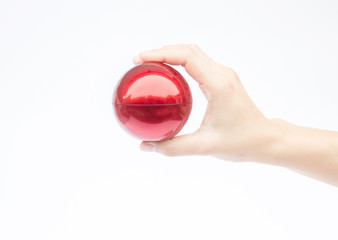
(67, 170)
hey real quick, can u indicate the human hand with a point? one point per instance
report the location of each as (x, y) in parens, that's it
(233, 128)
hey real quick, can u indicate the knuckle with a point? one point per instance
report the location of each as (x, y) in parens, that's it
(232, 72)
(192, 49)
(193, 46)
(225, 87)
(229, 75)
(229, 71)
(170, 152)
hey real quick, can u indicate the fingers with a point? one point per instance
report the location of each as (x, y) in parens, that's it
(196, 63)
(176, 54)
(190, 144)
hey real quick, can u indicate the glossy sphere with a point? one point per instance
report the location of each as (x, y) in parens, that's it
(152, 101)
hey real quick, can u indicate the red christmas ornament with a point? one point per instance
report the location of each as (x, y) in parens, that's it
(152, 101)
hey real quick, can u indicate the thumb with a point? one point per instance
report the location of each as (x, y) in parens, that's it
(189, 144)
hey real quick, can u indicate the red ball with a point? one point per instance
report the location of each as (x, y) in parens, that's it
(152, 101)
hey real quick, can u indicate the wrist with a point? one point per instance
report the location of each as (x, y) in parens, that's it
(268, 144)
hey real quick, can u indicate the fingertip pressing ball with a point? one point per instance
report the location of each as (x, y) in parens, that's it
(152, 101)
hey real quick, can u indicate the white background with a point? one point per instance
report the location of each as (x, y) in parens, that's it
(67, 170)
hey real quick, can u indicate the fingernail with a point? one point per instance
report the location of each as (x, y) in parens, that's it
(147, 147)
(137, 59)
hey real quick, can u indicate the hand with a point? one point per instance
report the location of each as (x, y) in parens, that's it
(233, 128)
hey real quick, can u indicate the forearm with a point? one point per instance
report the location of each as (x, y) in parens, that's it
(311, 152)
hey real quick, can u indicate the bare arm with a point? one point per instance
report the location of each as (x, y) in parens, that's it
(311, 152)
(233, 127)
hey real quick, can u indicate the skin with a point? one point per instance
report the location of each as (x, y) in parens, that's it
(234, 129)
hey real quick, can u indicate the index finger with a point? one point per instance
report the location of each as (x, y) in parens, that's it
(195, 62)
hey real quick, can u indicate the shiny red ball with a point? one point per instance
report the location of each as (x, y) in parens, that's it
(152, 101)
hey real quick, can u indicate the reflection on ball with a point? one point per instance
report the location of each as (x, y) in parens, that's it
(152, 101)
